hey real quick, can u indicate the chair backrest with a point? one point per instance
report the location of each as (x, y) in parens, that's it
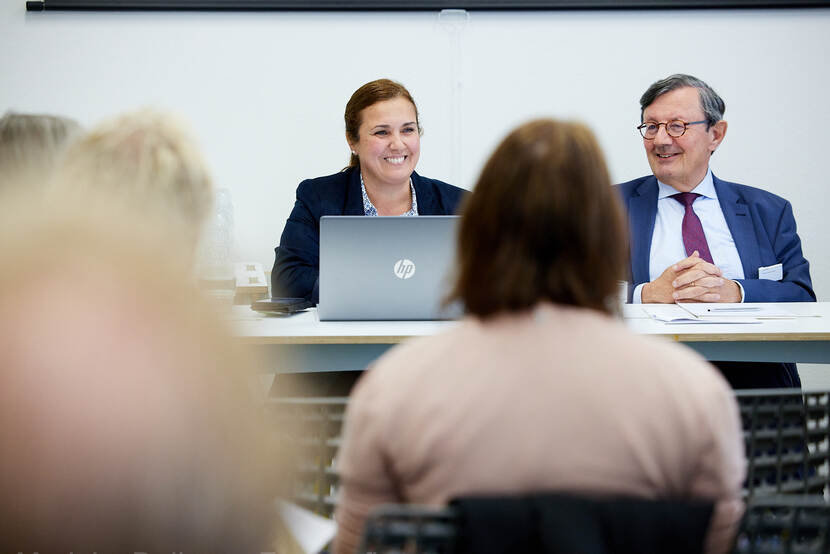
(408, 528)
(310, 429)
(539, 523)
(784, 524)
(787, 439)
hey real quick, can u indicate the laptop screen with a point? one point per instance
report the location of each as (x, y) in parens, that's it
(386, 268)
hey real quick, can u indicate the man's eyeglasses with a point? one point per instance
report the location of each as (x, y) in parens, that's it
(675, 128)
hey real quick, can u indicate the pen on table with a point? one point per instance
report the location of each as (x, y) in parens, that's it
(734, 309)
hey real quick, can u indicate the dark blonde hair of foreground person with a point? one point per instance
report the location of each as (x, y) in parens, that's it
(539, 389)
(126, 423)
(146, 161)
(30, 147)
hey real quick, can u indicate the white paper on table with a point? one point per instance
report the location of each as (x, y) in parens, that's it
(740, 310)
(668, 313)
(311, 532)
(675, 314)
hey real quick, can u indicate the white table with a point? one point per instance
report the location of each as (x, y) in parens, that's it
(303, 343)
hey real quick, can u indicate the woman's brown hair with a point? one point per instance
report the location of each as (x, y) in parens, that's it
(542, 224)
(369, 94)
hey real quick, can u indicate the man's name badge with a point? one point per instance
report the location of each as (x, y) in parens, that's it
(771, 272)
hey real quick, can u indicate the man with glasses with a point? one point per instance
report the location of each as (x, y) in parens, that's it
(696, 238)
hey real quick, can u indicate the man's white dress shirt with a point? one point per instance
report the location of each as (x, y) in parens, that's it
(667, 241)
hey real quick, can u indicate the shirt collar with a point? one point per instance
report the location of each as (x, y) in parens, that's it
(706, 188)
(369, 208)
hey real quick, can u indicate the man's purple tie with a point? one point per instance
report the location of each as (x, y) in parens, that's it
(693, 237)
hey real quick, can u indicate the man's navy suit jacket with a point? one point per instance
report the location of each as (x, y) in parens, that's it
(297, 262)
(762, 226)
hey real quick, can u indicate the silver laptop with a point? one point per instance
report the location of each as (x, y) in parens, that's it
(386, 268)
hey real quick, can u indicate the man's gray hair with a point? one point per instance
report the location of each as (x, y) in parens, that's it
(712, 104)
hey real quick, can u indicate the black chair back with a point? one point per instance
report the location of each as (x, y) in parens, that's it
(787, 439)
(541, 523)
(783, 525)
(407, 528)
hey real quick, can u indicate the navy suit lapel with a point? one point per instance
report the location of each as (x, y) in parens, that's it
(642, 211)
(427, 202)
(353, 203)
(738, 219)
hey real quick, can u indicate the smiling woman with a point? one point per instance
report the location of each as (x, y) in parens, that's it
(384, 135)
(387, 155)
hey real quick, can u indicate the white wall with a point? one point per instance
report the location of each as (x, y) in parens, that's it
(265, 92)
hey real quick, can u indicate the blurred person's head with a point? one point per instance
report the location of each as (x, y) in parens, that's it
(147, 161)
(31, 145)
(383, 131)
(126, 423)
(542, 224)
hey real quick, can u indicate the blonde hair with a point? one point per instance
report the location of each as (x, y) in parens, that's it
(146, 161)
(30, 147)
(124, 405)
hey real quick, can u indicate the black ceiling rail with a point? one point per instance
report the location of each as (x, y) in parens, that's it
(407, 5)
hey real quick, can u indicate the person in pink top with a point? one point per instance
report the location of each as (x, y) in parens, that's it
(540, 388)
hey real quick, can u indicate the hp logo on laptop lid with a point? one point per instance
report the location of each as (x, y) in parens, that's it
(404, 269)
